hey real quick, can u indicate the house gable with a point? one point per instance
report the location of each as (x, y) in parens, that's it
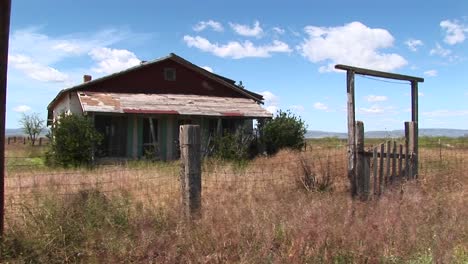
(151, 80)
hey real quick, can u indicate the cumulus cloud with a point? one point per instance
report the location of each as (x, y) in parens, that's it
(445, 113)
(430, 73)
(278, 30)
(22, 108)
(297, 108)
(271, 101)
(413, 44)
(113, 60)
(454, 31)
(246, 30)
(35, 70)
(208, 68)
(440, 51)
(354, 44)
(214, 25)
(237, 50)
(376, 98)
(320, 106)
(375, 109)
(38, 55)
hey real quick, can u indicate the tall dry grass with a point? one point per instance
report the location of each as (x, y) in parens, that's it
(255, 212)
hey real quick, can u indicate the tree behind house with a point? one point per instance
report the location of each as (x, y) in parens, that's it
(32, 125)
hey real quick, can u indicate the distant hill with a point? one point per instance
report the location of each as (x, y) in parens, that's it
(10, 132)
(429, 132)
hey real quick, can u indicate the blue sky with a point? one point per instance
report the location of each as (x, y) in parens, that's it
(283, 50)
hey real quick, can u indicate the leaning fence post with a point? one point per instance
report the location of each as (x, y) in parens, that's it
(190, 173)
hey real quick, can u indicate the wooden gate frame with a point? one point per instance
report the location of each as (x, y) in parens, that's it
(352, 140)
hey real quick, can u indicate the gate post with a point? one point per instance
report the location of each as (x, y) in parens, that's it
(361, 176)
(190, 170)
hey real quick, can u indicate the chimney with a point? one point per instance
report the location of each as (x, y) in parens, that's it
(87, 78)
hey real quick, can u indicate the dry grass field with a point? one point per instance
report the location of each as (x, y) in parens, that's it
(252, 212)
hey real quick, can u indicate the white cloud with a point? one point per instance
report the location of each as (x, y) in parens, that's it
(35, 70)
(354, 44)
(246, 30)
(113, 60)
(446, 113)
(271, 101)
(48, 50)
(237, 50)
(22, 108)
(420, 94)
(297, 108)
(39, 56)
(214, 25)
(376, 98)
(208, 68)
(430, 73)
(454, 31)
(320, 106)
(413, 44)
(440, 51)
(278, 30)
(375, 109)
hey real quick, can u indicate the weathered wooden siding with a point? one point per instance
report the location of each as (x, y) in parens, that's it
(68, 104)
(150, 79)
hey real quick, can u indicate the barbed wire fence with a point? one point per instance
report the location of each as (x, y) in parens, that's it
(154, 184)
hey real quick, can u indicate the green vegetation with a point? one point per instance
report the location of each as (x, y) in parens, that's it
(232, 146)
(285, 130)
(74, 141)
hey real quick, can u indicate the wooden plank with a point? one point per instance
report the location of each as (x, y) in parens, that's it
(379, 74)
(379, 155)
(351, 130)
(374, 162)
(381, 170)
(387, 163)
(394, 160)
(407, 153)
(400, 159)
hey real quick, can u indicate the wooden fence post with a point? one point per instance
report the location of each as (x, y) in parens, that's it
(40, 141)
(407, 152)
(190, 173)
(413, 149)
(362, 173)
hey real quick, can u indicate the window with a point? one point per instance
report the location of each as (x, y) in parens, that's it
(169, 74)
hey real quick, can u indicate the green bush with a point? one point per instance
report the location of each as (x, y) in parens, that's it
(73, 141)
(232, 146)
(285, 130)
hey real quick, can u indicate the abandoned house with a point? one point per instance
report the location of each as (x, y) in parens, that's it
(139, 110)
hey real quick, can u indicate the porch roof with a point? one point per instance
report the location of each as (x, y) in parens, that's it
(177, 104)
